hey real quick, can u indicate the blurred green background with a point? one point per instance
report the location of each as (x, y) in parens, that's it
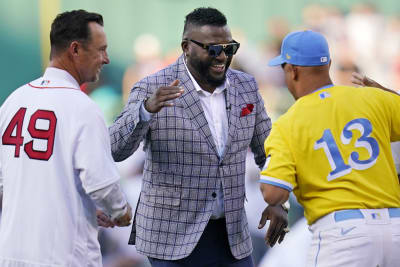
(21, 44)
(363, 36)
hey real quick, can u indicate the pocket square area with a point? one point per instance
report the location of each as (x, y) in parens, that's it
(246, 110)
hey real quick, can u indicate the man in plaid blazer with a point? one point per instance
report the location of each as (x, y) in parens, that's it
(197, 119)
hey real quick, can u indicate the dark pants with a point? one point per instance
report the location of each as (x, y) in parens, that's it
(211, 251)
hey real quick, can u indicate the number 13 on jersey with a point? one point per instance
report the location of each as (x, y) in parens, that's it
(332, 152)
(17, 140)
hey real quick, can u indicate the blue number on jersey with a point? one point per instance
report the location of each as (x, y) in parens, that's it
(327, 142)
(365, 141)
(339, 168)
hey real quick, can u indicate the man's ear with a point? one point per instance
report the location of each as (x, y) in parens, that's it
(184, 45)
(294, 72)
(73, 48)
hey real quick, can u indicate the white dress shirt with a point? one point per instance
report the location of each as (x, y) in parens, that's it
(215, 111)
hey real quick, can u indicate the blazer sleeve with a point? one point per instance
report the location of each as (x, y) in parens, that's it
(128, 130)
(261, 131)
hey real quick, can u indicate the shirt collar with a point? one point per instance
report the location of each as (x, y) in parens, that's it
(60, 78)
(323, 87)
(219, 89)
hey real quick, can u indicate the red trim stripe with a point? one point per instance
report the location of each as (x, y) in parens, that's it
(43, 87)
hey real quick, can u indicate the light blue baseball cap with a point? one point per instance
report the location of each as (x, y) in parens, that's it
(303, 48)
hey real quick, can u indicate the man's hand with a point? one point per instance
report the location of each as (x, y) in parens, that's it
(103, 219)
(124, 220)
(162, 95)
(363, 80)
(278, 226)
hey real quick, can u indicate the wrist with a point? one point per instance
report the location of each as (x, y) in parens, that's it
(121, 213)
(147, 106)
(145, 115)
(286, 206)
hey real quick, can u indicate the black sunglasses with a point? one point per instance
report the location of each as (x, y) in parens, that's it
(216, 49)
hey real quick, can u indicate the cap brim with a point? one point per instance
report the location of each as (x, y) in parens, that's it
(276, 61)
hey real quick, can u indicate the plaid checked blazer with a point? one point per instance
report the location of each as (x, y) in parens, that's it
(182, 166)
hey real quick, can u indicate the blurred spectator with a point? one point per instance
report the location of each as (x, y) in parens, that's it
(271, 80)
(276, 29)
(247, 58)
(109, 101)
(364, 28)
(314, 17)
(389, 48)
(342, 72)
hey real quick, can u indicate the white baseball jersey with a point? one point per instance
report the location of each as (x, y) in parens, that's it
(55, 151)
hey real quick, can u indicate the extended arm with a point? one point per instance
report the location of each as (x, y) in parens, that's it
(279, 163)
(275, 197)
(98, 173)
(131, 126)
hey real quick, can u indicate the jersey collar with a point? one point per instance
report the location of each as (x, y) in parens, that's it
(56, 78)
(322, 88)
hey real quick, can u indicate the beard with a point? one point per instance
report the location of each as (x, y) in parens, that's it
(203, 69)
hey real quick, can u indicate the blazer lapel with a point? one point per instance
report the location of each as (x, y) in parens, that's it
(231, 96)
(190, 101)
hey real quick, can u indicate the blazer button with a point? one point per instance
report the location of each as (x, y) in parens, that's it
(214, 195)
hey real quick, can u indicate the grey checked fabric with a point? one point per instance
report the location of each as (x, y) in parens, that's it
(182, 166)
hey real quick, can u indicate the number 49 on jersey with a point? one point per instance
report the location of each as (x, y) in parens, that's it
(17, 140)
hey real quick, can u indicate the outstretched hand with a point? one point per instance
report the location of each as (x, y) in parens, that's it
(162, 96)
(278, 226)
(362, 80)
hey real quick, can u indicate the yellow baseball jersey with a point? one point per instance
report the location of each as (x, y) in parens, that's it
(332, 148)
